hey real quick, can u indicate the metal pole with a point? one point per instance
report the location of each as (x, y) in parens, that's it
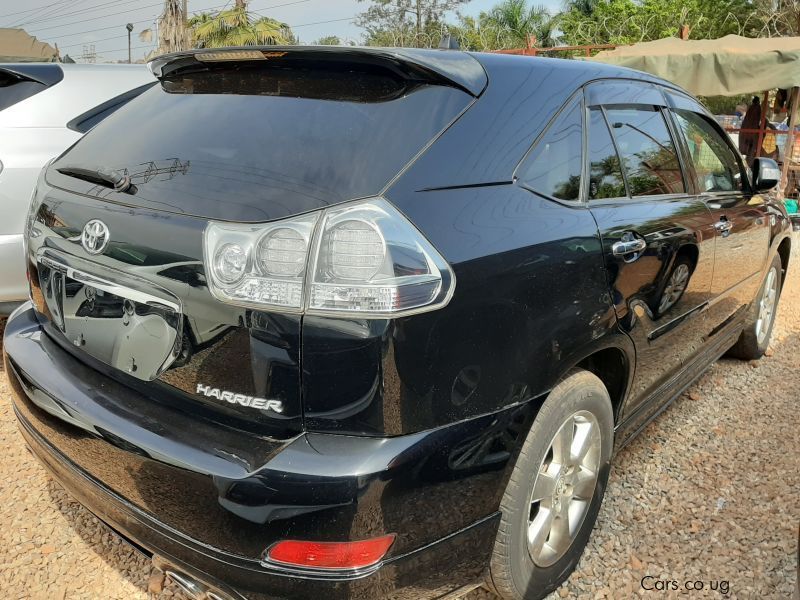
(129, 27)
(789, 147)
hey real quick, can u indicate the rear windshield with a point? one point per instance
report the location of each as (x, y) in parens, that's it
(248, 144)
(15, 88)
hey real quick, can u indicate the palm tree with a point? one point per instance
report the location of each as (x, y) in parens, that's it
(585, 7)
(237, 27)
(514, 21)
(171, 34)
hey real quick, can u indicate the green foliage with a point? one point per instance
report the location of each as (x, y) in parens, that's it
(328, 40)
(506, 25)
(725, 105)
(237, 27)
(514, 20)
(409, 23)
(631, 21)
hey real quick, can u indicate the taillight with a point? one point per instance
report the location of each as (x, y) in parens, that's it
(331, 555)
(363, 259)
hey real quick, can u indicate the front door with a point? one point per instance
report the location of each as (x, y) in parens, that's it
(658, 240)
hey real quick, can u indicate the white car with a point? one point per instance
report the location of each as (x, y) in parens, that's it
(44, 109)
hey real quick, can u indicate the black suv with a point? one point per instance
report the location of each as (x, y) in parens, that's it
(370, 323)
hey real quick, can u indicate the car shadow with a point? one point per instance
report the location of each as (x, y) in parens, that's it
(103, 541)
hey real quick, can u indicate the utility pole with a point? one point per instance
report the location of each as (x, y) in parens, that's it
(129, 27)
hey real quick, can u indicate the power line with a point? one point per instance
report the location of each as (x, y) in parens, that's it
(43, 10)
(323, 22)
(27, 10)
(36, 30)
(122, 12)
(350, 18)
(56, 13)
(57, 37)
(88, 9)
(113, 37)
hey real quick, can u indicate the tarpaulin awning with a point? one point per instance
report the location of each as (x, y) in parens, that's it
(727, 66)
(18, 46)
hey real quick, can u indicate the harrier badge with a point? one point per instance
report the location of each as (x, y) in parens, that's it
(249, 401)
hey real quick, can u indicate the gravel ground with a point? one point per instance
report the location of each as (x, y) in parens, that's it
(709, 493)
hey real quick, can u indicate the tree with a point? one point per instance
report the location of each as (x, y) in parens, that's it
(237, 27)
(515, 22)
(172, 36)
(405, 22)
(585, 7)
(779, 17)
(328, 40)
(630, 21)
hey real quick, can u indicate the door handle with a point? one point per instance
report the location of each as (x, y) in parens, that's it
(723, 226)
(628, 247)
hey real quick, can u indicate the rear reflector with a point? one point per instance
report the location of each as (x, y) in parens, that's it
(331, 555)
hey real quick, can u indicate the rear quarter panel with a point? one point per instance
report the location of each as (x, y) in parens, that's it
(531, 300)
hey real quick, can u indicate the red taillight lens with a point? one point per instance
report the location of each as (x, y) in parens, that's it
(331, 555)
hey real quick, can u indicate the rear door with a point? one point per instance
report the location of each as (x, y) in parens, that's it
(740, 217)
(658, 238)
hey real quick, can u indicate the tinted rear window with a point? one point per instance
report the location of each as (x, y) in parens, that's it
(250, 144)
(14, 88)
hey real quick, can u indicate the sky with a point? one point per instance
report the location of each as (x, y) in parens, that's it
(74, 23)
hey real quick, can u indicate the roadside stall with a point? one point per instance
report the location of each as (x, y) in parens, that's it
(732, 66)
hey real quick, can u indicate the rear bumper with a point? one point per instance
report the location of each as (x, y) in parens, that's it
(427, 572)
(151, 490)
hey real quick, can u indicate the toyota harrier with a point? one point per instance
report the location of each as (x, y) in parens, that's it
(372, 323)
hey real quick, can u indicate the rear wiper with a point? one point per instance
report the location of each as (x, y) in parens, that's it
(101, 176)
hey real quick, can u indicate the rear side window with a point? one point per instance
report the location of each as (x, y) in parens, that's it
(554, 166)
(251, 137)
(648, 155)
(715, 166)
(14, 88)
(605, 174)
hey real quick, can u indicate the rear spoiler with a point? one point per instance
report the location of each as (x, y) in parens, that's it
(47, 74)
(445, 67)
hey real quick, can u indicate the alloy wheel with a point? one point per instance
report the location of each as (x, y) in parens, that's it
(766, 308)
(564, 488)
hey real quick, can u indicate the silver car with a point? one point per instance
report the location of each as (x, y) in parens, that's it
(44, 109)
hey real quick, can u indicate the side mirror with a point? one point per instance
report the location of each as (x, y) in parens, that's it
(766, 174)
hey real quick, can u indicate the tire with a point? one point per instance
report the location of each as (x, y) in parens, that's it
(579, 400)
(755, 338)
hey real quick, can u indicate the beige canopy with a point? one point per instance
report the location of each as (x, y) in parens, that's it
(728, 66)
(18, 46)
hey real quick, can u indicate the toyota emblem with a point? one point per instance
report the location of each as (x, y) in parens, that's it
(95, 236)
